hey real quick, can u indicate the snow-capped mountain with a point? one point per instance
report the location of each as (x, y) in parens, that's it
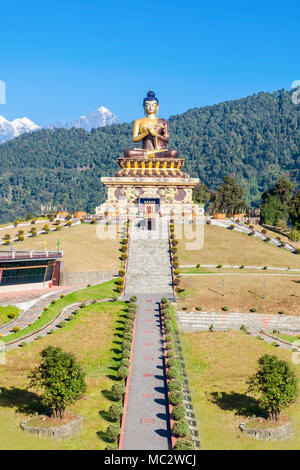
(99, 118)
(11, 129)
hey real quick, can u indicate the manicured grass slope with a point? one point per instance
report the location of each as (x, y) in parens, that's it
(83, 250)
(242, 293)
(5, 311)
(223, 246)
(101, 291)
(90, 336)
(218, 366)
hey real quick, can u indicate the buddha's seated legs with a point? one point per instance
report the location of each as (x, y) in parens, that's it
(142, 153)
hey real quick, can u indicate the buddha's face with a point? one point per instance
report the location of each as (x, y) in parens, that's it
(151, 107)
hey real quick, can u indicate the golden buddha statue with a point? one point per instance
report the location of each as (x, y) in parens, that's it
(152, 131)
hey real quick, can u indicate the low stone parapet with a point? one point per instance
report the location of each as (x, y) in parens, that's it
(275, 433)
(60, 432)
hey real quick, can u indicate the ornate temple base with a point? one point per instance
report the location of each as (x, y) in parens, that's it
(143, 196)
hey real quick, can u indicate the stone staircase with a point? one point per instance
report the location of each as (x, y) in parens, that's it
(149, 268)
(201, 321)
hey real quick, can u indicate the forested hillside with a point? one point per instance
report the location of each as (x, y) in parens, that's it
(255, 139)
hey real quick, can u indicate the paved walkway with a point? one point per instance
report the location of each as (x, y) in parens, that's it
(32, 313)
(147, 423)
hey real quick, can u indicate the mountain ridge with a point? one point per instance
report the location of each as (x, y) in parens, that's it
(256, 139)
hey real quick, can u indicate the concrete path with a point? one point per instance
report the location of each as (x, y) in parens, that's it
(147, 423)
(32, 313)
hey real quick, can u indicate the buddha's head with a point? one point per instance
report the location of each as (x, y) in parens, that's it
(150, 103)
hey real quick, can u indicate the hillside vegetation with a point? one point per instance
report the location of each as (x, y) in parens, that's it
(255, 139)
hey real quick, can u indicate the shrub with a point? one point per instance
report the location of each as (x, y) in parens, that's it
(21, 238)
(125, 362)
(123, 248)
(243, 328)
(178, 412)
(220, 266)
(69, 223)
(58, 227)
(164, 300)
(252, 233)
(62, 296)
(123, 256)
(16, 329)
(70, 317)
(174, 384)
(225, 309)
(128, 336)
(183, 443)
(23, 344)
(199, 308)
(211, 328)
(131, 315)
(281, 312)
(123, 372)
(265, 268)
(51, 332)
(181, 429)
(173, 363)
(119, 281)
(232, 226)
(176, 272)
(176, 281)
(133, 305)
(7, 236)
(198, 266)
(12, 315)
(117, 391)
(62, 324)
(242, 266)
(126, 344)
(264, 232)
(113, 432)
(115, 411)
(173, 373)
(294, 235)
(208, 221)
(253, 309)
(268, 239)
(119, 289)
(133, 299)
(122, 272)
(53, 301)
(176, 398)
(171, 353)
(7, 242)
(126, 353)
(174, 249)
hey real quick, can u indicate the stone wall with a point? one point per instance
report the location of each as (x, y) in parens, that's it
(85, 277)
(60, 432)
(201, 321)
(277, 433)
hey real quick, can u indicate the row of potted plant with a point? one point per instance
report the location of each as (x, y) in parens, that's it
(181, 438)
(119, 389)
(174, 258)
(120, 281)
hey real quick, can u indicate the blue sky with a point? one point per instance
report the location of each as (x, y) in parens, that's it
(64, 58)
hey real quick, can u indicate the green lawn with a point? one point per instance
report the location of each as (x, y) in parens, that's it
(100, 291)
(218, 366)
(91, 337)
(6, 311)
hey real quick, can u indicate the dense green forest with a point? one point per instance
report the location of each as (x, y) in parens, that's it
(255, 139)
